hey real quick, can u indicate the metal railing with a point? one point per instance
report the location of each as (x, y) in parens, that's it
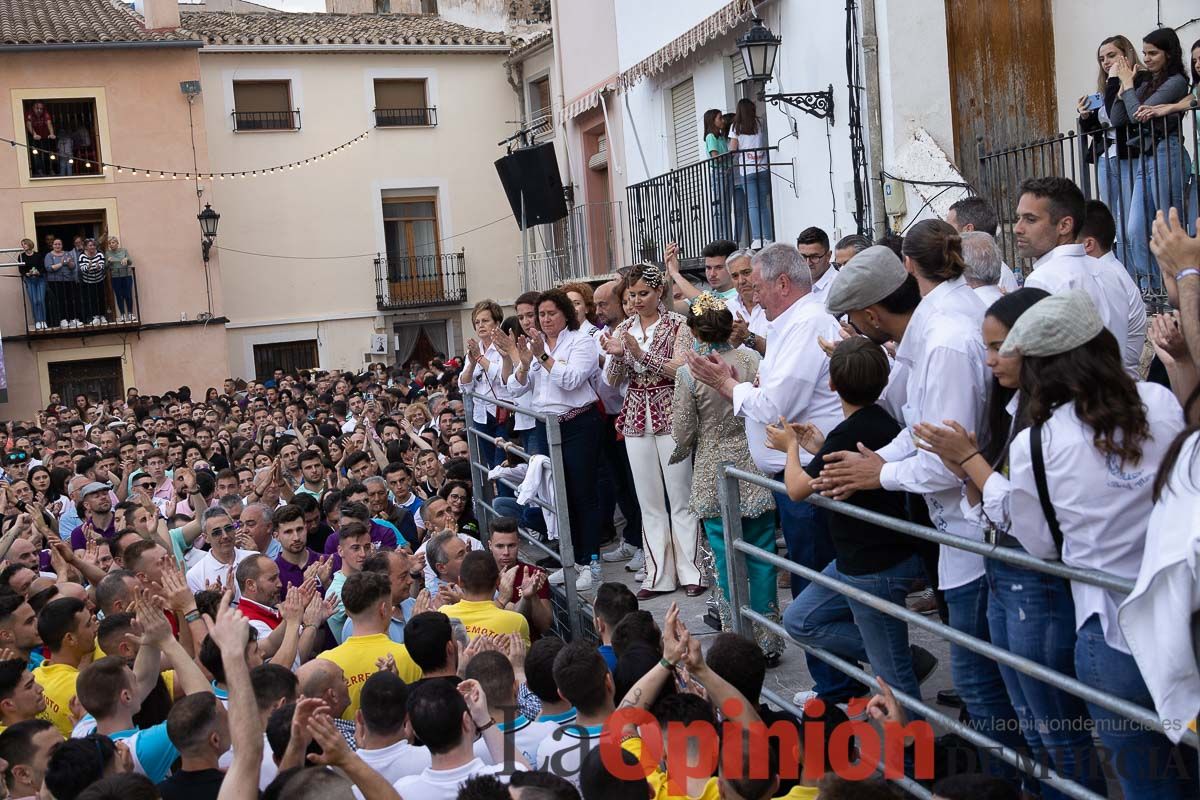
(266, 120)
(590, 241)
(407, 281)
(1132, 179)
(729, 492)
(405, 117)
(73, 308)
(75, 148)
(719, 198)
(572, 614)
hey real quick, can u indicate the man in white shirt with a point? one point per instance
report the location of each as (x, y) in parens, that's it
(1050, 215)
(584, 680)
(1097, 236)
(749, 320)
(813, 244)
(793, 383)
(983, 266)
(447, 719)
(381, 729)
(973, 213)
(219, 563)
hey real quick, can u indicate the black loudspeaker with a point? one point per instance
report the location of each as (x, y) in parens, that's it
(534, 172)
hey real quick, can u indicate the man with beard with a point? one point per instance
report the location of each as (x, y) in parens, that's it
(98, 516)
(296, 560)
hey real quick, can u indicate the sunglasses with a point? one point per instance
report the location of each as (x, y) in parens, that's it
(148, 487)
(225, 530)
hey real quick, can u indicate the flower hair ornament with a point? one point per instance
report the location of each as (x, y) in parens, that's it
(706, 302)
(651, 275)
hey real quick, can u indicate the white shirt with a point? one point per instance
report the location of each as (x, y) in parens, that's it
(350, 424)
(756, 319)
(526, 736)
(443, 784)
(209, 569)
(821, 285)
(1067, 267)
(266, 772)
(396, 761)
(611, 397)
(1103, 507)
(1121, 290)
(431, 579)
(568, 385)
(486, 382)
(989, 294)
(562, 751)
(946, 378)
(793, 381)
(1008, 279)
(1156, 618)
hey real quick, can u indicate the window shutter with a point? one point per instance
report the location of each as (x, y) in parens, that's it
(685, 132)
(739, 68)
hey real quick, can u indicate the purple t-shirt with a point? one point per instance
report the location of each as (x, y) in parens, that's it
(290, 574)
(79, 538)
(382, 537)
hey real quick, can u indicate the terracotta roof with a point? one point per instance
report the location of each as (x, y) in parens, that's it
(279, 28)
(525, 44)
(66, 22)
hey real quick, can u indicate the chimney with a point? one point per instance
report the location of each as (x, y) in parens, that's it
(159, 14)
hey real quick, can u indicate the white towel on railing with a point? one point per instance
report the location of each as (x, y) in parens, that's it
(539, 484)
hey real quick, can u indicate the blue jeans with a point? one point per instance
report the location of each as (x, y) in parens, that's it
(36, 288)
(1114, 178)
(977, 678)
(857, 632)
(536, 443)
(123, 292)
(758, 204)
(722, 192)
(529, 517)
(806, 532)
(1143, 757)
(1159, 181)
(1033, 616)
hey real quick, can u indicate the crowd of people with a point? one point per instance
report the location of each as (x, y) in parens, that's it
(72, 288)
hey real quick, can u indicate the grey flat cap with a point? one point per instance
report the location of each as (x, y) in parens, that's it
(1054, 325)
(866, 279)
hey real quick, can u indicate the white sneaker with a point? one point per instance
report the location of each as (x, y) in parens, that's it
(76, 323)
(585, 580)
(132, 318)
(640, 575)
(623, 552)
(638, 562)
(756, 244)
(556, 578)
(800, 699)
(64, 324)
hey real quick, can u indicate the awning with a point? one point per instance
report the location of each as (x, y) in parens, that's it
(714, 26)
(586, 101)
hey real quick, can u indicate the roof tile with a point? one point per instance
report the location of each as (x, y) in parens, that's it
(26, 22)
(280, 28)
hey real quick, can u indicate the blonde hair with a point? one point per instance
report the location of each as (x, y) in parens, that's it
(1127, 49)
(424, 409)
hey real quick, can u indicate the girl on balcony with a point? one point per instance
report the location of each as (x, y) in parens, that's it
(645, 350)
(120, 269)
(716, 144)
(61, 279)
(752, 176)
(31, 265)
(1191, 101)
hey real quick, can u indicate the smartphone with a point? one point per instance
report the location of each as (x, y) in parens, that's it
(460, 631)
(1095, 101)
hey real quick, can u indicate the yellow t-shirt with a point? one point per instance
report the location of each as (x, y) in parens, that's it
(483, 616)
(58, 683)
(712, 789)
(357, 656)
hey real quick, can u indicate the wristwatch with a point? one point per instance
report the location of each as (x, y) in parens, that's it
(752, 341)
(544, 357)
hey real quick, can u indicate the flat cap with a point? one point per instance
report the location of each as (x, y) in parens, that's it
(864, 280)
(1054, 325)
(93, 487)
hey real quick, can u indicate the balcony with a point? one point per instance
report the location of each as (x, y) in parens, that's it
(266, 120)
(67, 302)
(405, 117)
(695, 205)
(589, 242)
(414, 281)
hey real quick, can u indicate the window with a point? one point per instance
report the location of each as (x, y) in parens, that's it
(414, 270)
(539, 99)
(65, 135)
(287, 356)
(402, 102)
(264, 106)
(96, 377)
(684, 133)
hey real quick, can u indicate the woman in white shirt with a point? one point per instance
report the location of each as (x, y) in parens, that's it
(481, 374)
(557, 366)
(1103, 438)
(1030, 614)
(751, 176)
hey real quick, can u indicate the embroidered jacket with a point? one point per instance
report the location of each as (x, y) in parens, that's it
(650, 385)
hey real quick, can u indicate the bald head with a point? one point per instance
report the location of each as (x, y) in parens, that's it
(608, 305)
(324, 679)
(76, 484)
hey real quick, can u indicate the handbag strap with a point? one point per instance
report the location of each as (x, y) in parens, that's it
(1043, 490)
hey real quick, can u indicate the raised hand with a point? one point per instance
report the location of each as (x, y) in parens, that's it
(230, 631)
(507, 580)
(612, 345)
(422, 603)
(155, 629)
(292, 607)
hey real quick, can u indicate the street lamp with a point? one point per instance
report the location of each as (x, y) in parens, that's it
(759, 47)
(208, 228)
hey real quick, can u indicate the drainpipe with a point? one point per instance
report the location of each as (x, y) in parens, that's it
(870, 45)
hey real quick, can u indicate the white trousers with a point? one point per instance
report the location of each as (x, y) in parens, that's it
(671, 540)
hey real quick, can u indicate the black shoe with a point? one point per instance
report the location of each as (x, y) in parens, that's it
(773, 660)
(949, 697)
(924, 663)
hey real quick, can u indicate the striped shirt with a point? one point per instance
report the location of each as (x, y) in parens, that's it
(91, 268)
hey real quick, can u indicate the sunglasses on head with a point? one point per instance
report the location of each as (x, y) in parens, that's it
(16, 457)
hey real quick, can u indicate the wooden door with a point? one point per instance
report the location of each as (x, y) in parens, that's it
(413, 248)
(1001, 75)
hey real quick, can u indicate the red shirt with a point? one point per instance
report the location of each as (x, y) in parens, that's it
(522, 573)
(39, 122)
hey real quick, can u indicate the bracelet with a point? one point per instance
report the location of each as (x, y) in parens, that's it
(482, 728)
(1186, 273)
(191, 616)
(968, 458)
(662, 662)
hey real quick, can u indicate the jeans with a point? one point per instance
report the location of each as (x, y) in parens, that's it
(36, 288)
(806, 532)
(1114, 178)
(123, 292)
(758, 205)
(529, 517)
(580, 441)
(536, 443)
(618, 489)
(1158, 183)
(739, 215)
(977, 678)
(1146, 762)
(722, 195)
(857, 632)
(1033, 615)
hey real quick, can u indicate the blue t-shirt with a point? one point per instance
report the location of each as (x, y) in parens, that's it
(153, 753)
(395, 627)
(610, 656)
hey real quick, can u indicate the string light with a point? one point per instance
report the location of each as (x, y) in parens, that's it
(254, 173)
